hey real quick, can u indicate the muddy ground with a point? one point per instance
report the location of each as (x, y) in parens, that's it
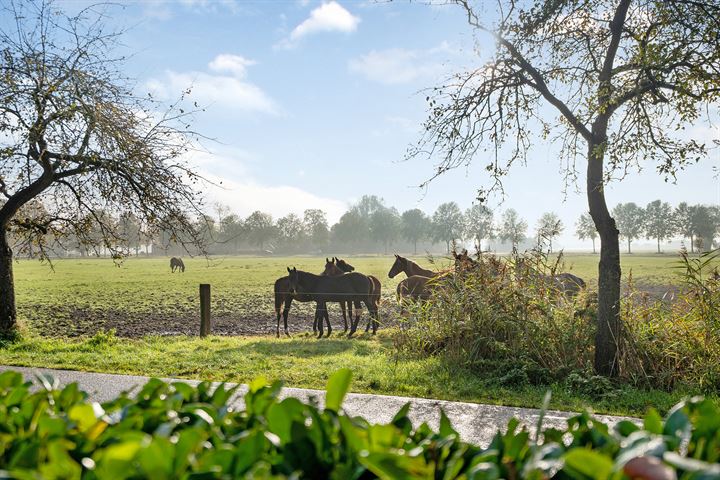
(258, 320)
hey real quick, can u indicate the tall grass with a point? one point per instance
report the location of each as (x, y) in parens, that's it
(499, 318)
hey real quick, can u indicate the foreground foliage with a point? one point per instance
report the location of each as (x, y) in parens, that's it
(179, 431)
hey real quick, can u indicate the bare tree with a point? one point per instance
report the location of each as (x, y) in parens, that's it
(617, 72)
(75, 137)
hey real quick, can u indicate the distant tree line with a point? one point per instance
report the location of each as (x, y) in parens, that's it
(696, 225)
(370, 226)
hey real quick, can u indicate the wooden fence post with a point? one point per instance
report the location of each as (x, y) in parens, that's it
(205, 322)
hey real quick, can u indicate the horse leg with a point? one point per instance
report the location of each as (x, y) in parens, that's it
(342, 307)
(286, 312)
(376, 317)
(327, 319)
(358, 314)
(320, 307)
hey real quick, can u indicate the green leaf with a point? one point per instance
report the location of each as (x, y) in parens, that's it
(446, 427)
(397, 467)
(588, 463)
(280, 417)
(337, 387)
(83, 415)
(653, 422)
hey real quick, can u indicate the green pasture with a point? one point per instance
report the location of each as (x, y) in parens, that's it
(143, 290)
(240, 284)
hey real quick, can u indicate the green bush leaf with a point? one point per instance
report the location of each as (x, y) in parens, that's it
(588, 463)
(337, 387)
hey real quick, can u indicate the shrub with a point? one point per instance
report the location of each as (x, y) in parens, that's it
(179, 431)
(490, 313)
(521, 329)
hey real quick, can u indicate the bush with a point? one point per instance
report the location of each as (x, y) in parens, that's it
(179, 431)
(529, 332)
(490, 313)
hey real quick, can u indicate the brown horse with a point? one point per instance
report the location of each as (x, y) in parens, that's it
(176, 263)
(565, 283)
(352, 286)
(410, 268)
(283, 297)
(337, 266)
(463, 262)
(415, 287)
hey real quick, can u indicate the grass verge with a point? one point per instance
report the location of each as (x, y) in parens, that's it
(305, 362)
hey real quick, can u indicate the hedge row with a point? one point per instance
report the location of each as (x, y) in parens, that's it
(179, 431)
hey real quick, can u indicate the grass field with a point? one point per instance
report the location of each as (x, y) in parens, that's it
(81, 296)
(154, 312)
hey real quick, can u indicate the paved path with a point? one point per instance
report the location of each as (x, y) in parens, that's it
(476, 423)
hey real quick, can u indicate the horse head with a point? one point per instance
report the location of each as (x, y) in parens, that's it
(293, 280)
(331, 269)
(343, 265)
(398, 266)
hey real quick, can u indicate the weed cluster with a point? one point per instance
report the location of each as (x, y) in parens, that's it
(513, 319)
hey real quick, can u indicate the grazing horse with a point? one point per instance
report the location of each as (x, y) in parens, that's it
(176, 263)
(338, 266)
(283, 297)
(352, 286)
(565, 283)
(410, 268)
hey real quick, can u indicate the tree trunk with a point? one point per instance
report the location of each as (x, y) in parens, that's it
(593, 240)
(8, 315)
(415, 247)
(659, 245)
(608, 316)
(629, 245)
(692, 243)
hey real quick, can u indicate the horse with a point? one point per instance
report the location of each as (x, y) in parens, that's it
(351, 286)
(565, 283)
(338, 266)
(176, 263)
(463, 262)
(488, 264)
(283, 297)
(410, 268)
(414, 287)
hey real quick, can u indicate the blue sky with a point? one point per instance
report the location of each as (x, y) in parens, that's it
(313, 104)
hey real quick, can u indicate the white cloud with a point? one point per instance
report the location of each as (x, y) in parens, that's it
(234, 64)
(398, 65)
(328, 17)
(243, 194)
(207, 89)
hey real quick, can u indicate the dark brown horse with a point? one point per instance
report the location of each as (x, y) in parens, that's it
(176, 263)
(410, 268)
(352, 286)
(338, 266)
(284, 299)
